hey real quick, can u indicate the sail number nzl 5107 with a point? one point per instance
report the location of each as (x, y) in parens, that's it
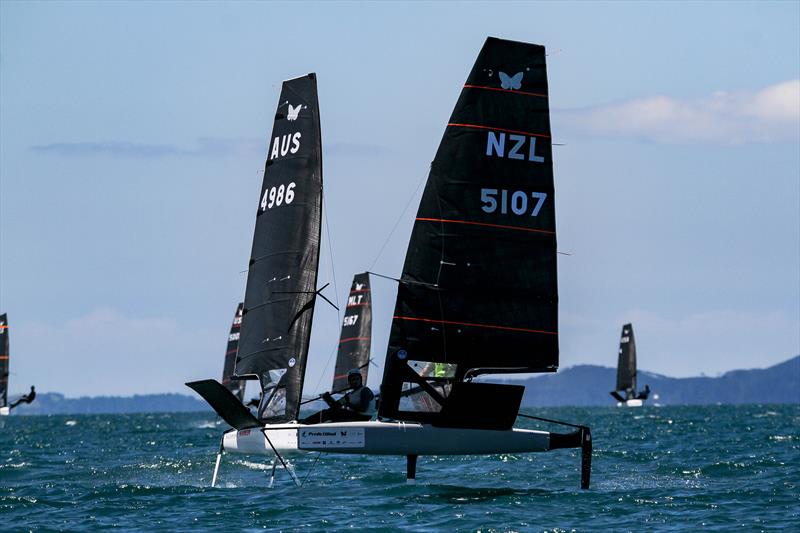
(516, 200)
(277, 196)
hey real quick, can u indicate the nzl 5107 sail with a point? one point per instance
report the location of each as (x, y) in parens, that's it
(478, 292)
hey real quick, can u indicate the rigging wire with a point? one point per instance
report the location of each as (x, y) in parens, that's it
(335, 290)
(399, 218)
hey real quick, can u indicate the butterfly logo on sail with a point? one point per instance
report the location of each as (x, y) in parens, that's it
(511, 82)
(294, 112)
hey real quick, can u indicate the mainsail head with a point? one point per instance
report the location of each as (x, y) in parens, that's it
(354, 342)
(4, 360)
(236, 386)
(626, 364)
(282, 275)
(478, 291)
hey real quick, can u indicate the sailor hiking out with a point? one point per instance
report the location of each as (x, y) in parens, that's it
(355, 406)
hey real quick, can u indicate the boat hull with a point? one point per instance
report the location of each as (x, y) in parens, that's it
(4, 411)
(631, 403)
(383, 438)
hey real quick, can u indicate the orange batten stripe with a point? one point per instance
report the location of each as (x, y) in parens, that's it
(478, 126)
(547, 232)
(356, 292)
(356, 305)
(500, 89)
(3, 357)
(354, 339)
(490, 326)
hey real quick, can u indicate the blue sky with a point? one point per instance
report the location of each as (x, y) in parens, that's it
(132, 136)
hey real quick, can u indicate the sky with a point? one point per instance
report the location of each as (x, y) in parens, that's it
(133, 137)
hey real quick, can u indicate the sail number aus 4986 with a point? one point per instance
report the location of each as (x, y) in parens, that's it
(517, 201)
(277, 196)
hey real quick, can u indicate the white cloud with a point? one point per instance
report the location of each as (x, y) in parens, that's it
(769, 115)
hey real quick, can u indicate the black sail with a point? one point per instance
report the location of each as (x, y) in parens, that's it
(626, 364)
(282, 275)
(4, 360)
(478, 291)
(354, 341)
(236, 386)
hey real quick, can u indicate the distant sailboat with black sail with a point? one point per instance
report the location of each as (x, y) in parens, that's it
(355, 339)
(477, 295)
(236, 386)
(4, 365)
(626, 393)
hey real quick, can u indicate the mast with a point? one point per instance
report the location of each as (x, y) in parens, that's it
(236, 386)
(626, 364)
(4, 360)
(478, 291)
(354, 341)
(282, 275)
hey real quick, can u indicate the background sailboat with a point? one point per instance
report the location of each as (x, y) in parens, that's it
(236, 386)
(4, 365)
(625, 392)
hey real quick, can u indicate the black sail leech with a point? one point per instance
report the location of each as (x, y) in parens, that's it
(236, 386)
(354, 341)
(626, 364)
(478, 289)
(282, 276)
(4, 360)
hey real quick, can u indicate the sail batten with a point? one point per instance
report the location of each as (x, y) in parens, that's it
(479, 283)
(282, 273)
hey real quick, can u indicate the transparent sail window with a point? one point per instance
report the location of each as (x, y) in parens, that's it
(430, 369)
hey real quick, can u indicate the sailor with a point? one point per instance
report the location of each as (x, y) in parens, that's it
(355, 406)
(25, 398)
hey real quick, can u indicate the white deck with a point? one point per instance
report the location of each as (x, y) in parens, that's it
(4, 411)
(383, 438)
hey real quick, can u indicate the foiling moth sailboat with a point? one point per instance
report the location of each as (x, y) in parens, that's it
(477, 295)
(355, 338)
(626, 372)
(5, 407)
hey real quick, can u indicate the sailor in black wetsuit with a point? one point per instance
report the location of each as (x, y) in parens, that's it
(355, 406)
(25, 398)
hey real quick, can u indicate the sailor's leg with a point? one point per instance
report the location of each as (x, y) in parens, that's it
(411, 469)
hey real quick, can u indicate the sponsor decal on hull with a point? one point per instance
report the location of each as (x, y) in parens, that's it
(331, 438)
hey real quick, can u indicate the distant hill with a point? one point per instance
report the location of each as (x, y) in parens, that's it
(590, 385)
(53, 403)
(578, 385)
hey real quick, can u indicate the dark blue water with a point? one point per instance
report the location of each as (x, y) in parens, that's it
(655, 469)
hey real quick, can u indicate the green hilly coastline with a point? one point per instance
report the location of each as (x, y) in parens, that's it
(590, 385)
(582, 385)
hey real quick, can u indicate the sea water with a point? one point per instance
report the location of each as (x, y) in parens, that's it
(655, 469)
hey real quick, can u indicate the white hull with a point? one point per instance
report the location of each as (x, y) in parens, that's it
(383, 438)
(4, 411)
(631, 403)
